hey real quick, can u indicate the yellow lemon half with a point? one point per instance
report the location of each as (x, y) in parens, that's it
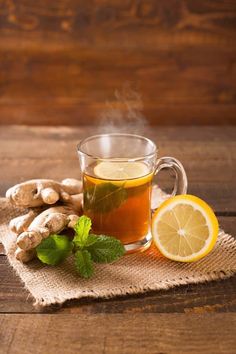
(184, 228)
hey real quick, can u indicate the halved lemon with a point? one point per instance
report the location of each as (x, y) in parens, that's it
(184, 228)
(131, 173)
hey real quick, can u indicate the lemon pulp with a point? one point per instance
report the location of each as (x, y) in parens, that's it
(185, 228)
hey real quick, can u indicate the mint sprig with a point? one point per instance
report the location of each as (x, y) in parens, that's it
(86, 247)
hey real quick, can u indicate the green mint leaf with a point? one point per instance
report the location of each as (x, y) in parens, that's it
(106, 249)
(54, 249)
(84, 263)
(104, 197)
(82, 228)
(91, 240)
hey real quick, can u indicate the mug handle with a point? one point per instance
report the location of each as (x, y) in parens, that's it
(181, 182)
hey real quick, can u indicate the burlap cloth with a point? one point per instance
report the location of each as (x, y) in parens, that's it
(132, 274)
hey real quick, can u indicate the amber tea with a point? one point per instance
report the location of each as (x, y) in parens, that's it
(117, 199)
(117, 171)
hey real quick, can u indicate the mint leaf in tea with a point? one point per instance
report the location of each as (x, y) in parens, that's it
(104, 197)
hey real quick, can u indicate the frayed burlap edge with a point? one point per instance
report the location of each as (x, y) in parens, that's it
(133, 290)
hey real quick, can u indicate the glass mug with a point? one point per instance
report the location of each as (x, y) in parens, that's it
(117, 172)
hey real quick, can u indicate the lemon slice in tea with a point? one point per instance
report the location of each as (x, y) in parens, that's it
(131, 173)
(184, 228)
(120, 170)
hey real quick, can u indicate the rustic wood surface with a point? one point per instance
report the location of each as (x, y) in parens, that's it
(195, 318)
(116, 333)
(62, 61)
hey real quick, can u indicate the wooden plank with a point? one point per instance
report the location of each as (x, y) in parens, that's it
(74, 112)
(161, 80)
(181, 58)
(171, 133)
(203, 16)
(219, 296)
(172, 77)
(130, 333)
(194, 141)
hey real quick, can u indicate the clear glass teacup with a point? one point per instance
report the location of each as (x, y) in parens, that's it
(117, 172)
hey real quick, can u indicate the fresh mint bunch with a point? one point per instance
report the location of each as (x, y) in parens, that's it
(86, 247)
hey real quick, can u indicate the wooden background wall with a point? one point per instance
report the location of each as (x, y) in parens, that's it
(62, 61)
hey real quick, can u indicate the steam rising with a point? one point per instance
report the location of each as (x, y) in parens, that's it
(124, 114)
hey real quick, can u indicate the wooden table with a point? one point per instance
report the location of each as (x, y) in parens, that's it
(197, 318)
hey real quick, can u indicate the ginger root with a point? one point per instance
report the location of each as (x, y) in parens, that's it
(37, 225)
(24, 256)
(50, 221)
(38, 192)
(20, 223)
